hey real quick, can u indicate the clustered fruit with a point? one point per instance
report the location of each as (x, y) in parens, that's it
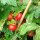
(13, 27)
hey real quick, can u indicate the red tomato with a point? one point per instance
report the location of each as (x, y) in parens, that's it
(31, 33)
(12, 27)
(10, 17)
(18, 17)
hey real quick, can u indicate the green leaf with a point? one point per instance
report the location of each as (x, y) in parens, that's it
(17, 10)
(37, 36)
(8, 34)
(10, 2)
(24, 37)
(14, 37)
(27, 27)
(35, 1)
(39, 3)
(25, 2)
(37, 20)
(30, 17)
(3, 1)
(21, 29)
(23, 7)
(36, 12)
(4, 15)
(30, 13)
(32, 8)
(1, 24)
(11, 22)
(33, 12)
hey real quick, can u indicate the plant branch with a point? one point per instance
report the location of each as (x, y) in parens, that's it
(26, 10)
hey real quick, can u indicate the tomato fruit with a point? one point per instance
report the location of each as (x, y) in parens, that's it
(18, 17)
(10, 17)
(31, 33)
(12, 27)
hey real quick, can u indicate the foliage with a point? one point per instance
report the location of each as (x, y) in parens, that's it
(37, 36)
(32, 19)
(28, 27)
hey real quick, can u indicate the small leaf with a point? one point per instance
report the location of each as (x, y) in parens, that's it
(11, 22)
(8, 34)
(36, 12)
(14, 37)
(27, 27)
(4, 15)
(10, 2)
(37, 36)
(37, 20)
(25, 2)
(30, 17)
(3, 1)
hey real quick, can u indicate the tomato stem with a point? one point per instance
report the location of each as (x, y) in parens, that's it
(25, 11)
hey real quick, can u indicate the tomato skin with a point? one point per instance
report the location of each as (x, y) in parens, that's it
(31, 33)
(18, 17)
(10, 17)
(12, 27)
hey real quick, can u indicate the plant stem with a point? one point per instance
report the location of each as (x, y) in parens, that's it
(26, 10)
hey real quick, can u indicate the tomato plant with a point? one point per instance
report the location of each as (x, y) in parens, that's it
(25, 13)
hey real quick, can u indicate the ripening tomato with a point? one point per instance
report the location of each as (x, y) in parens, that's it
(31, 33)
(18, 17)
(10, 17)
(12, 27)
